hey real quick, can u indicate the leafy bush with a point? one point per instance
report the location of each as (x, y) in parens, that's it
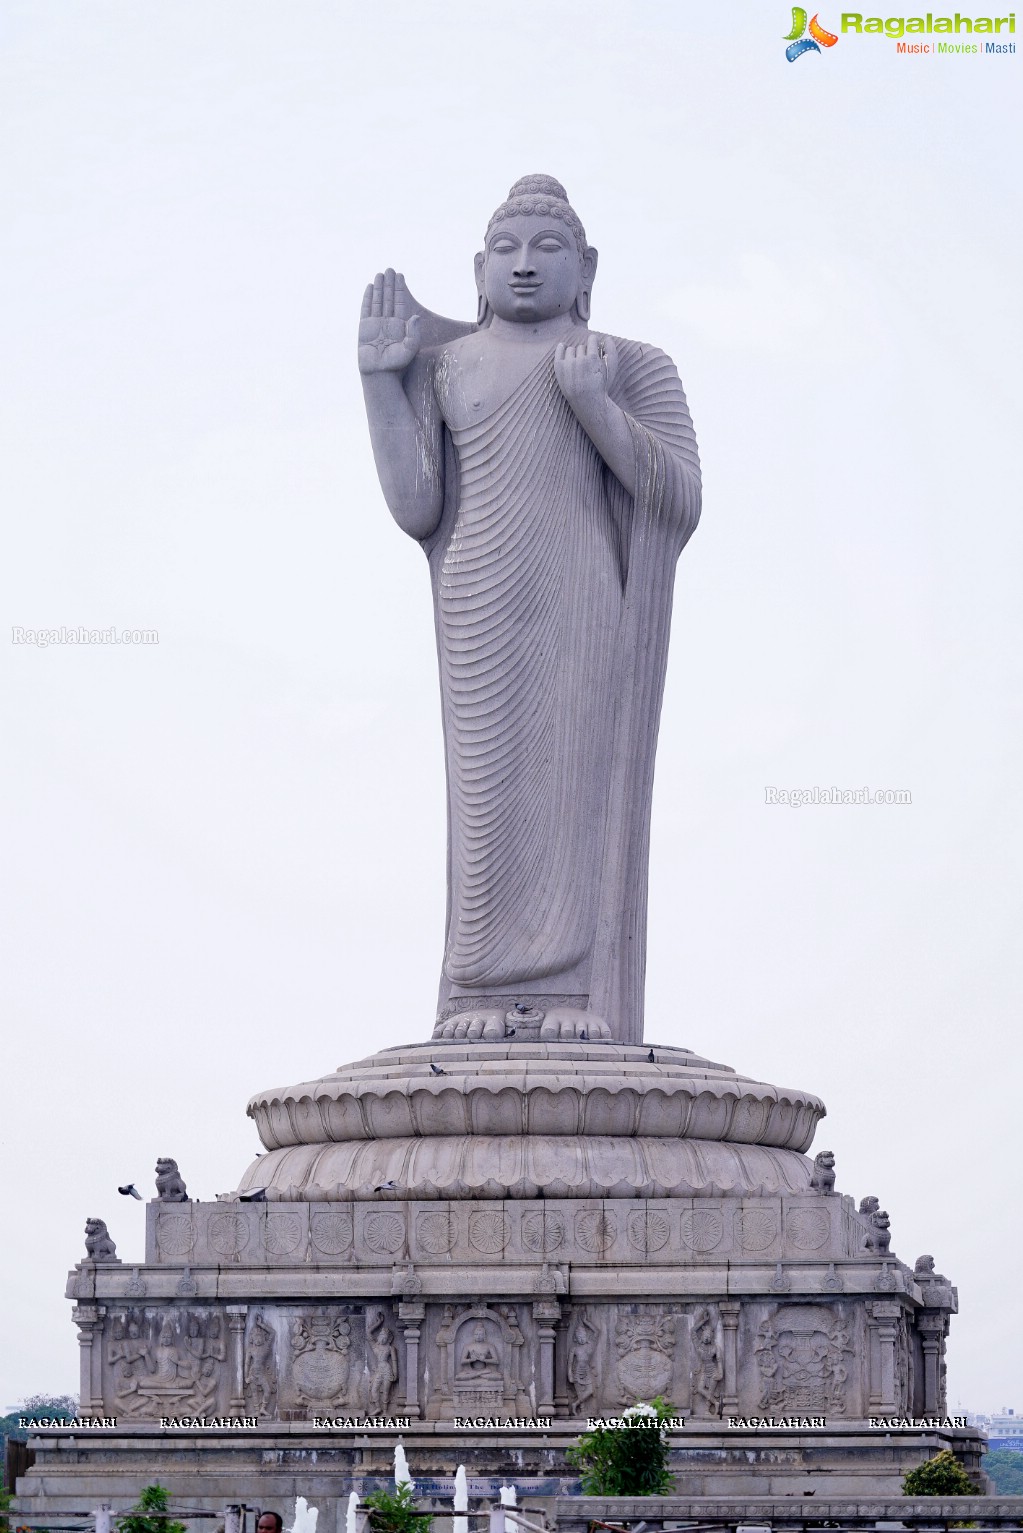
(627, 1460)
(940, 1476)
(150, 1514)
(1006, 1470)
(396, 1513)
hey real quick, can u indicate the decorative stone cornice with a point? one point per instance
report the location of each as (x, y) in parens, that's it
(570, 1092)
(559, 1166)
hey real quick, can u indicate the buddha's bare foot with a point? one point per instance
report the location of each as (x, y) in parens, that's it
(565, 1024)
(486, 1024)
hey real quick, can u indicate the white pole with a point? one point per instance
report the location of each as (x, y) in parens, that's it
(102, 1516)
(350, 1519)
(232, 1519)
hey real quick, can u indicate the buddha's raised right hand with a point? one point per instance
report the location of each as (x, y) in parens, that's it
(388, 335)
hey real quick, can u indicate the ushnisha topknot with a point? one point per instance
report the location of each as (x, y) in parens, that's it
(541, 194)
(540, 186)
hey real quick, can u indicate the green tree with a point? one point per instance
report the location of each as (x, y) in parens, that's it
(627, 1460)
(63, 1406)
(940, 1476)
(150, 1514)
(1006, 1470)
(396, 1513)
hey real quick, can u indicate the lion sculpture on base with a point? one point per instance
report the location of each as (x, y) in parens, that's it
(823, 1178)
(99, 1245)
(169, 1186)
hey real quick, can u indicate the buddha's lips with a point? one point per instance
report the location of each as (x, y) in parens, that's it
(525, 287)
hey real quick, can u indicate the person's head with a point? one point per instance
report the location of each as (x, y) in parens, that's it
(535, 264)
(270, 1522)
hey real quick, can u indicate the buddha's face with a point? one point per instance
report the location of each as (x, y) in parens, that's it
(532, 269)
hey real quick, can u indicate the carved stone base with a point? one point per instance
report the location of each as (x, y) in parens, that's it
(843, 1467)
(472, 1229)
(727, 1306)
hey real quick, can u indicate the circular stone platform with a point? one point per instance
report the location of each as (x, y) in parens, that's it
(523, 1120)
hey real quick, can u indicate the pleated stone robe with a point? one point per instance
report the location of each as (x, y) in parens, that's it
(553, 593)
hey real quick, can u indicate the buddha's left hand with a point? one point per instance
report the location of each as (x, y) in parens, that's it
(585, 372)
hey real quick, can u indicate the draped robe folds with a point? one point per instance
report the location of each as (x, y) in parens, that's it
(552, 595)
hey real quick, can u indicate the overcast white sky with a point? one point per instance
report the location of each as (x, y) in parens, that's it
(224, 854)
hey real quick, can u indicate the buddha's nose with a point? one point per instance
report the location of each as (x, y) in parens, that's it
(525, 268)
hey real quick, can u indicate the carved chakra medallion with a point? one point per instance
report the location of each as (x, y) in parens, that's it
(228, 1234)
(808, 1228)
(489, 1231)
(702, 1229)
(648, 1230)
(332, 1234)
(175, 1234)
(543, 1232)
(596, 1231)
(756, 1228)
(282, 1234)
(435, 1232)
(385, 1233)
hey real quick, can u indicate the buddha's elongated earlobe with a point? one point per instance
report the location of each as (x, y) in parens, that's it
(589, 271)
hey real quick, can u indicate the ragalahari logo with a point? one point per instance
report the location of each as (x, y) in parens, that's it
(798, 43)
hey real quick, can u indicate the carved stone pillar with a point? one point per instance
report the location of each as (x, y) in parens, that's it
(562, 1407)
(546, 1313)
(236, 1356)
(89, 1320)
(410, 1317)
(883, 1326)
(730, 1311)
(932, 1326)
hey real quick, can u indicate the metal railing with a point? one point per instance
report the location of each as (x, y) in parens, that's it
(786, 1514)
(644, 1514)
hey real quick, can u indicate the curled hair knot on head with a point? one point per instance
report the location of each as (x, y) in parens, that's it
(541, 195)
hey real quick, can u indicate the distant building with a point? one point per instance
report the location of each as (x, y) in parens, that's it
(1005, 1430)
